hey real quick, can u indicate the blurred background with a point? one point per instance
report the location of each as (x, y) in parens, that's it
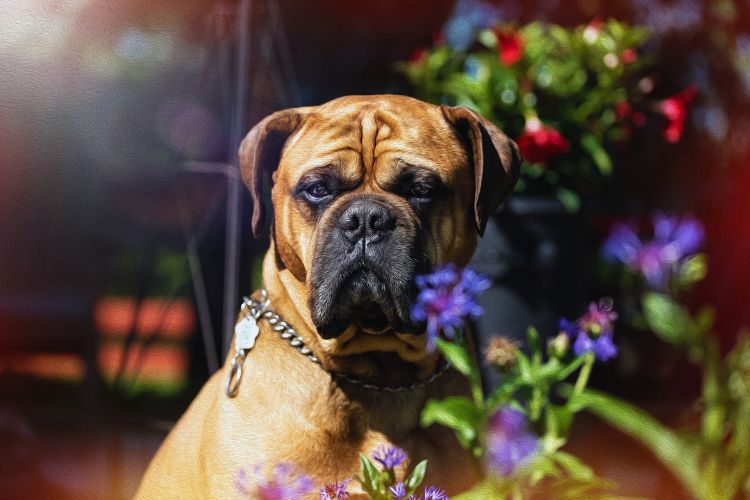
(124, 228)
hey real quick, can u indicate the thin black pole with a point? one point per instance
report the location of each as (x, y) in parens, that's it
(234, 187)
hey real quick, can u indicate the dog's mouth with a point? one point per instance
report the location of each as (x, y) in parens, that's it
(364, 297)
(372, 318)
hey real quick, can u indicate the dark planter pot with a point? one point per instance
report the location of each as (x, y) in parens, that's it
(534, 252)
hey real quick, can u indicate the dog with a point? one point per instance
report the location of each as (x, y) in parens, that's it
(366, 192)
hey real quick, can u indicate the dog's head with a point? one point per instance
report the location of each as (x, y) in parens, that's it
(367, 192)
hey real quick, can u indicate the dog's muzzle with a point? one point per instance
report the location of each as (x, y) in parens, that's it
(366, 224)
(363, 269)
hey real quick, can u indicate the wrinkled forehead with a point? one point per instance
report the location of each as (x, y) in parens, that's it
(358, 138)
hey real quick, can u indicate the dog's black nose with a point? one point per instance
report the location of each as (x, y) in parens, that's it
(366, 220)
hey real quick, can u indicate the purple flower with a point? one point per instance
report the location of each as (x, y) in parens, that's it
(389, 456)
(603, 347)
(285, 483)
(434, 493)
(568, 327)
(599, 318)
(593, 331)
(446, 297)
(509, 443)
(398, 491)
(430, 493)
(674, 240)
(335, 491)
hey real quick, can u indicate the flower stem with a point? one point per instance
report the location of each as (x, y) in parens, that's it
(535, 406)
(583, 376)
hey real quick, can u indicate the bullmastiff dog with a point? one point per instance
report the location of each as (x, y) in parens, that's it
(365, 193)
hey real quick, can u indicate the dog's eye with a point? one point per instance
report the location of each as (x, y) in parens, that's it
(317, 191)
(420, 190)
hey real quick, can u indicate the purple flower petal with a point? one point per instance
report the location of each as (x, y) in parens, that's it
(398, 491)
(389, 456)
(603, 347)
(445, 299)
(598, 318)
(509, 443)
(434, 493)
(622, 244)
(335, 491)
(285, 484)
(674, 240)
(568, 327)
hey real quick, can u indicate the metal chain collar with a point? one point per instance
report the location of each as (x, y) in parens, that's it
(259, 310)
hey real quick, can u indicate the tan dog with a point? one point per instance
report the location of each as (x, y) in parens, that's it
(367, 192)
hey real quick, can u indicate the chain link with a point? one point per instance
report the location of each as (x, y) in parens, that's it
(259, 311)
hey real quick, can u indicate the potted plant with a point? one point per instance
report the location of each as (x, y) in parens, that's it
(568, 96)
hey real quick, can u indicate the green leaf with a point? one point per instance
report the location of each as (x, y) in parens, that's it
(532, 335)
(416, 477)
(371, 479)
(457, 413)
(558, 419)
(487, 38)
(694, 269)
(502, 393)
(570, 200)
(704, 319)
(574, 466)
(598, 153)
(458, 357)
(525, 369)
(668, 319)
(673, 452)
(542, 467)
(485, 490)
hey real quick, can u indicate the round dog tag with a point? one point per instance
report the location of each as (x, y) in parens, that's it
(246, 331)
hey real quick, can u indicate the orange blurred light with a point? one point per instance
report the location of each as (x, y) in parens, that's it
(114, 317)
(55, 366)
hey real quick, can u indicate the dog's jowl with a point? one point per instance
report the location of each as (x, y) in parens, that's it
(360, 195)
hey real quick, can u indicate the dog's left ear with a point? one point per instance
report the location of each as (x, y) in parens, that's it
(260, 152)
(497, 162)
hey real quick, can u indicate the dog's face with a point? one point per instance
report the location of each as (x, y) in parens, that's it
(369, 191)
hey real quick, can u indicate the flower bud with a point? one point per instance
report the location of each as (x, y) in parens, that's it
(558, 346)
(501, 352)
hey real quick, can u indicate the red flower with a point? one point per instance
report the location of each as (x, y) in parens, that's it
(675, 110)
(509, 46)
(418, 55)
(593, 29)
(628, 56)
(596, 23)
(623, 109)
(538, 143)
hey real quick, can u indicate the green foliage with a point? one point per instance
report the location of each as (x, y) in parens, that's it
(416, 477)
(667, 318)
(570, 78)
(527, 385)
(459, 414)
(712, 461)
(371, 479)
(376, 482)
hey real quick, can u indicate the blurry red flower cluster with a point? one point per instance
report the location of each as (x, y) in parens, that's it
(538, 142)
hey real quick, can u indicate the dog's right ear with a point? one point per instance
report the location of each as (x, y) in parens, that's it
(496, 160)
(260, 152)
